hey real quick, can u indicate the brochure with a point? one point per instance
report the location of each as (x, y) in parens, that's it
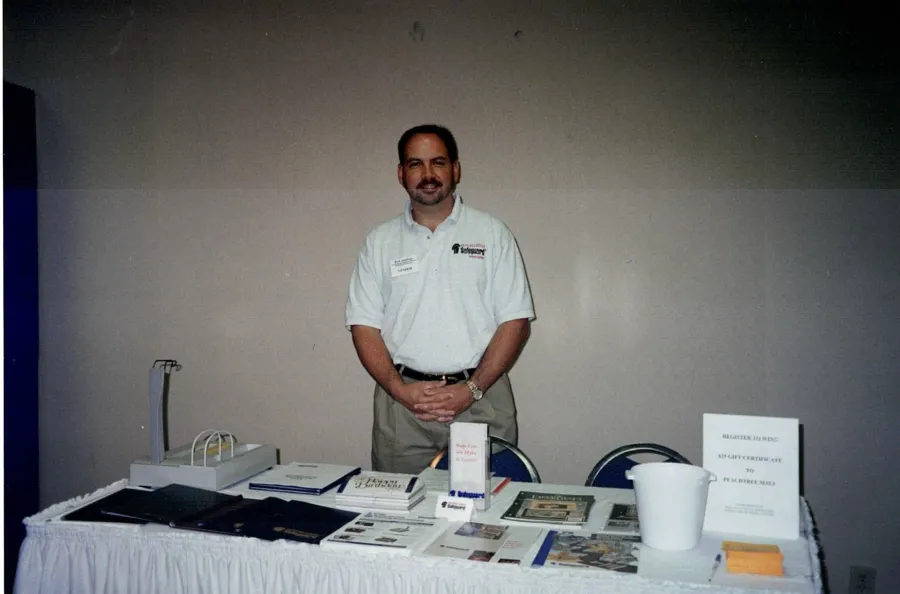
(470, 455)
(386, 533)
(488, 543)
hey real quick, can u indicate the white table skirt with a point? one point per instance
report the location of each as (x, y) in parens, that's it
(75, 557)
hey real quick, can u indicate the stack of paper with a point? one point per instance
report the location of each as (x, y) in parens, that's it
(305, 479)
(760, 559)
(381, 490)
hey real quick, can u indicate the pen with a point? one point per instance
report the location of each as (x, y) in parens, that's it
(716, 563)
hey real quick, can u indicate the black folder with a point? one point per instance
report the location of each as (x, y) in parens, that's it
(273, 519)
(167, 505)
(93, 512)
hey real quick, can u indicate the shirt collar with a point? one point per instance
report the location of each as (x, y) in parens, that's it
(452, 217)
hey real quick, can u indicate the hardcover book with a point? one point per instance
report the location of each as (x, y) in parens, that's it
(167, 505)
(615, 552)
(298, 477)
(549, 508)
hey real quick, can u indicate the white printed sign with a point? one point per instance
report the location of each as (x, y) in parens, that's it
(757, 464)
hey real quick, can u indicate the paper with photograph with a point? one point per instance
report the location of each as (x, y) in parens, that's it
(615, 552)
(623, 519)
(386, 533)
(489, 543)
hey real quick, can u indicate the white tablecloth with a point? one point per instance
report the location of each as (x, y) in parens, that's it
(79, 557)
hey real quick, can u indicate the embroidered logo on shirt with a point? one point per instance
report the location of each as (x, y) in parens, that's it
(473, 250)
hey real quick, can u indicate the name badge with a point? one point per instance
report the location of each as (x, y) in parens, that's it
(405, 265)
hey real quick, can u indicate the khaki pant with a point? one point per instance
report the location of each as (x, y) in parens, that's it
(403, 443)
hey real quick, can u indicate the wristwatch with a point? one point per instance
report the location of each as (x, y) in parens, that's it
(477, 394)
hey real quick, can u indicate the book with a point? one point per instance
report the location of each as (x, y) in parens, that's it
(490, 543)
(385, 533)
(303, 478)
(615, 552)
(272, 519)
(167, 505)
(549, 508)
(381, 490)
(623, 518)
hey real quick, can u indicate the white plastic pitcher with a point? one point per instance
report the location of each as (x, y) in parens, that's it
(671, 503)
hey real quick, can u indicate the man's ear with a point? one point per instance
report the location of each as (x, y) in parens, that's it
(400, 174)
(457, 172)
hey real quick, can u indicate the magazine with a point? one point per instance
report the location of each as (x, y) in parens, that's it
(550, 508)
(386, 533)
(489, 543)
(605, 551)
(623, 519)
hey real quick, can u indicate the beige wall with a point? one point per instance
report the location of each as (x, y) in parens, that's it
(678, 185)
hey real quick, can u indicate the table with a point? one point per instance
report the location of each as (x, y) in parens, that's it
(79, 557)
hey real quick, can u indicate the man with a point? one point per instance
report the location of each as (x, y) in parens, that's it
(439, 308)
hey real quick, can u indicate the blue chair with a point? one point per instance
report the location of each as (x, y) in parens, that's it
(610, 470)
(507, 460)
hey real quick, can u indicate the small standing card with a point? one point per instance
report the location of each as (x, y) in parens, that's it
(757, 462)
(470, 453)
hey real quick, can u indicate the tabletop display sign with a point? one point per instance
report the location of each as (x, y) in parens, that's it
(470, 476)
(757, 462)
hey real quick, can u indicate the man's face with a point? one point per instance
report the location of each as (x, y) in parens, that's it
(426, 171)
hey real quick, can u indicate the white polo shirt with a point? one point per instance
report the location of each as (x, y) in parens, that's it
(439, 297)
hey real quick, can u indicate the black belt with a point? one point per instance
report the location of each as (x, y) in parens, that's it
(452, 378)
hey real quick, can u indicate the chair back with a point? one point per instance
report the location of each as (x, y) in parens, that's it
(506, 460)
(610, 470)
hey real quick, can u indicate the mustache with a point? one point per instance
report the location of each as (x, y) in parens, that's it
(432, 182)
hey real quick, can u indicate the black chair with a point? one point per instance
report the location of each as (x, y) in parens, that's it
(507, 460)
(610, 470)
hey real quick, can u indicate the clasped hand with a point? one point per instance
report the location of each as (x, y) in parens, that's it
(437, 401)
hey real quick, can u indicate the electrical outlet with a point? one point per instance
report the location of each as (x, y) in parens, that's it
(862, 580)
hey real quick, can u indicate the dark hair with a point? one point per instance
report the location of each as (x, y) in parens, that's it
(441, 132)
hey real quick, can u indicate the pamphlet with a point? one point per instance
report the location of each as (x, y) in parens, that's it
(470, 454)
(386, 533)
(549, 508)
(757, 464)
(488, 543)
(604, 551)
